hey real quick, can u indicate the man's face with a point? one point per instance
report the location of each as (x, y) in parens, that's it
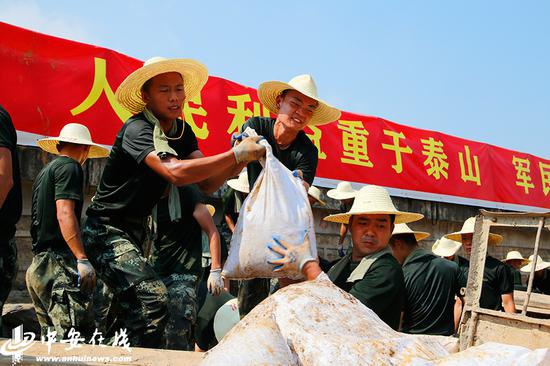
(516, 263)
(295, 110)
(370, 234)
(165, 96)
(399, 250)
(467, 242)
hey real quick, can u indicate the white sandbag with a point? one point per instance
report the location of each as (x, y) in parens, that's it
(316, 323)
(277, 206)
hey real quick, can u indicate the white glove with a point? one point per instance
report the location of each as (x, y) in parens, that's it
(86, 275)
(249, 150)
(293, 256)
(215, 282)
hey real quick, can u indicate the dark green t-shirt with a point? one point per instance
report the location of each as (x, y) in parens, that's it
(10, 212)
(178, 248)
(382, 288)
(301, 154)
(542, 284)
(497, 281)
(517, 278)
(431, 284)
(60, 179)
(128, 187)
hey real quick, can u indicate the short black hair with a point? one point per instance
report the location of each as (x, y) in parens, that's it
(146, 85)
(408, 238)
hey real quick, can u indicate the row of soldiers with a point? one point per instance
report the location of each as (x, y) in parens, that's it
(138, 253)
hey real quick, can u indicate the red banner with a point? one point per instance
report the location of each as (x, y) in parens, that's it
(48, 82)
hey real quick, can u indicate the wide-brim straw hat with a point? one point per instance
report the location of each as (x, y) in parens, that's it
(514, 254)
(194, 75)
(343, 191)
(468, 228)
(374, 200)
(211, 209)
(74, 133)
(270, 90)
(240, 183)
(316, 193)
(446, 247)
(226, 318)
(540, 264)
(405, 229)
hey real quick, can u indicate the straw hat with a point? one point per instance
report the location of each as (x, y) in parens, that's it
(373, 200)
(75, 133)
(211, 209)
(193, 72)
(514, 254)
(405, 229)
(343, 191)
(468, 228)
(446, 247)
(540, 264)
(226, 317)
(270, 90)
(316, 193)
(240, 184)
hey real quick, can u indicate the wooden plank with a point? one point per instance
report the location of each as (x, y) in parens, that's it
(537, 300)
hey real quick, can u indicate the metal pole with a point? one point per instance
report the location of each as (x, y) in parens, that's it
(533, 265)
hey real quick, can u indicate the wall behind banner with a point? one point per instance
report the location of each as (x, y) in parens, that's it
(50, 81)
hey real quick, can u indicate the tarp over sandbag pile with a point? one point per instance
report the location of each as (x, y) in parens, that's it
(316, 323)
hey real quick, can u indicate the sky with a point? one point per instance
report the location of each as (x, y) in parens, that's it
(479, 70)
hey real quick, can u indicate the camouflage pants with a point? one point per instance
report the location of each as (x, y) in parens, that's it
(8, 270)
(60, 305)
(139, 296)
(182, 311)
(251, 293)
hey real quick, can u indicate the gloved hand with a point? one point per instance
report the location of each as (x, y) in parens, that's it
(86, 275)
(215, 282)
(237, 138)
(298, 174)
(249, 150)
(293, 256)
(341, 251)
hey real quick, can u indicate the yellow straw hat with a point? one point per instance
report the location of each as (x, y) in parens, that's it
(445, 247)
(240, 184)
(194, 75)
(75, 133)
(270, 90)
(514, 254)
(405, 229)
(468, 228)
(343, 191)
(374, 200)
(316, 193)
(211, 209)
(539, 266)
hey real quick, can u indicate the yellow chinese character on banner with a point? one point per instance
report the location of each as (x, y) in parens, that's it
(523, 171)
(470, 170)
(436, 159)
(315, 137)
(545, 177)
(398, 166)
(191, 109)
(99, 86)
(241, 113)
(354, 142)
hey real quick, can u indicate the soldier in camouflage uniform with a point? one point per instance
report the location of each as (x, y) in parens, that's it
(177, 257)
(147, 154)
(60, 278)
(10, 205)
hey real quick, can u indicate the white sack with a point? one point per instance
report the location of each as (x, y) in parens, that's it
(277, 206)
